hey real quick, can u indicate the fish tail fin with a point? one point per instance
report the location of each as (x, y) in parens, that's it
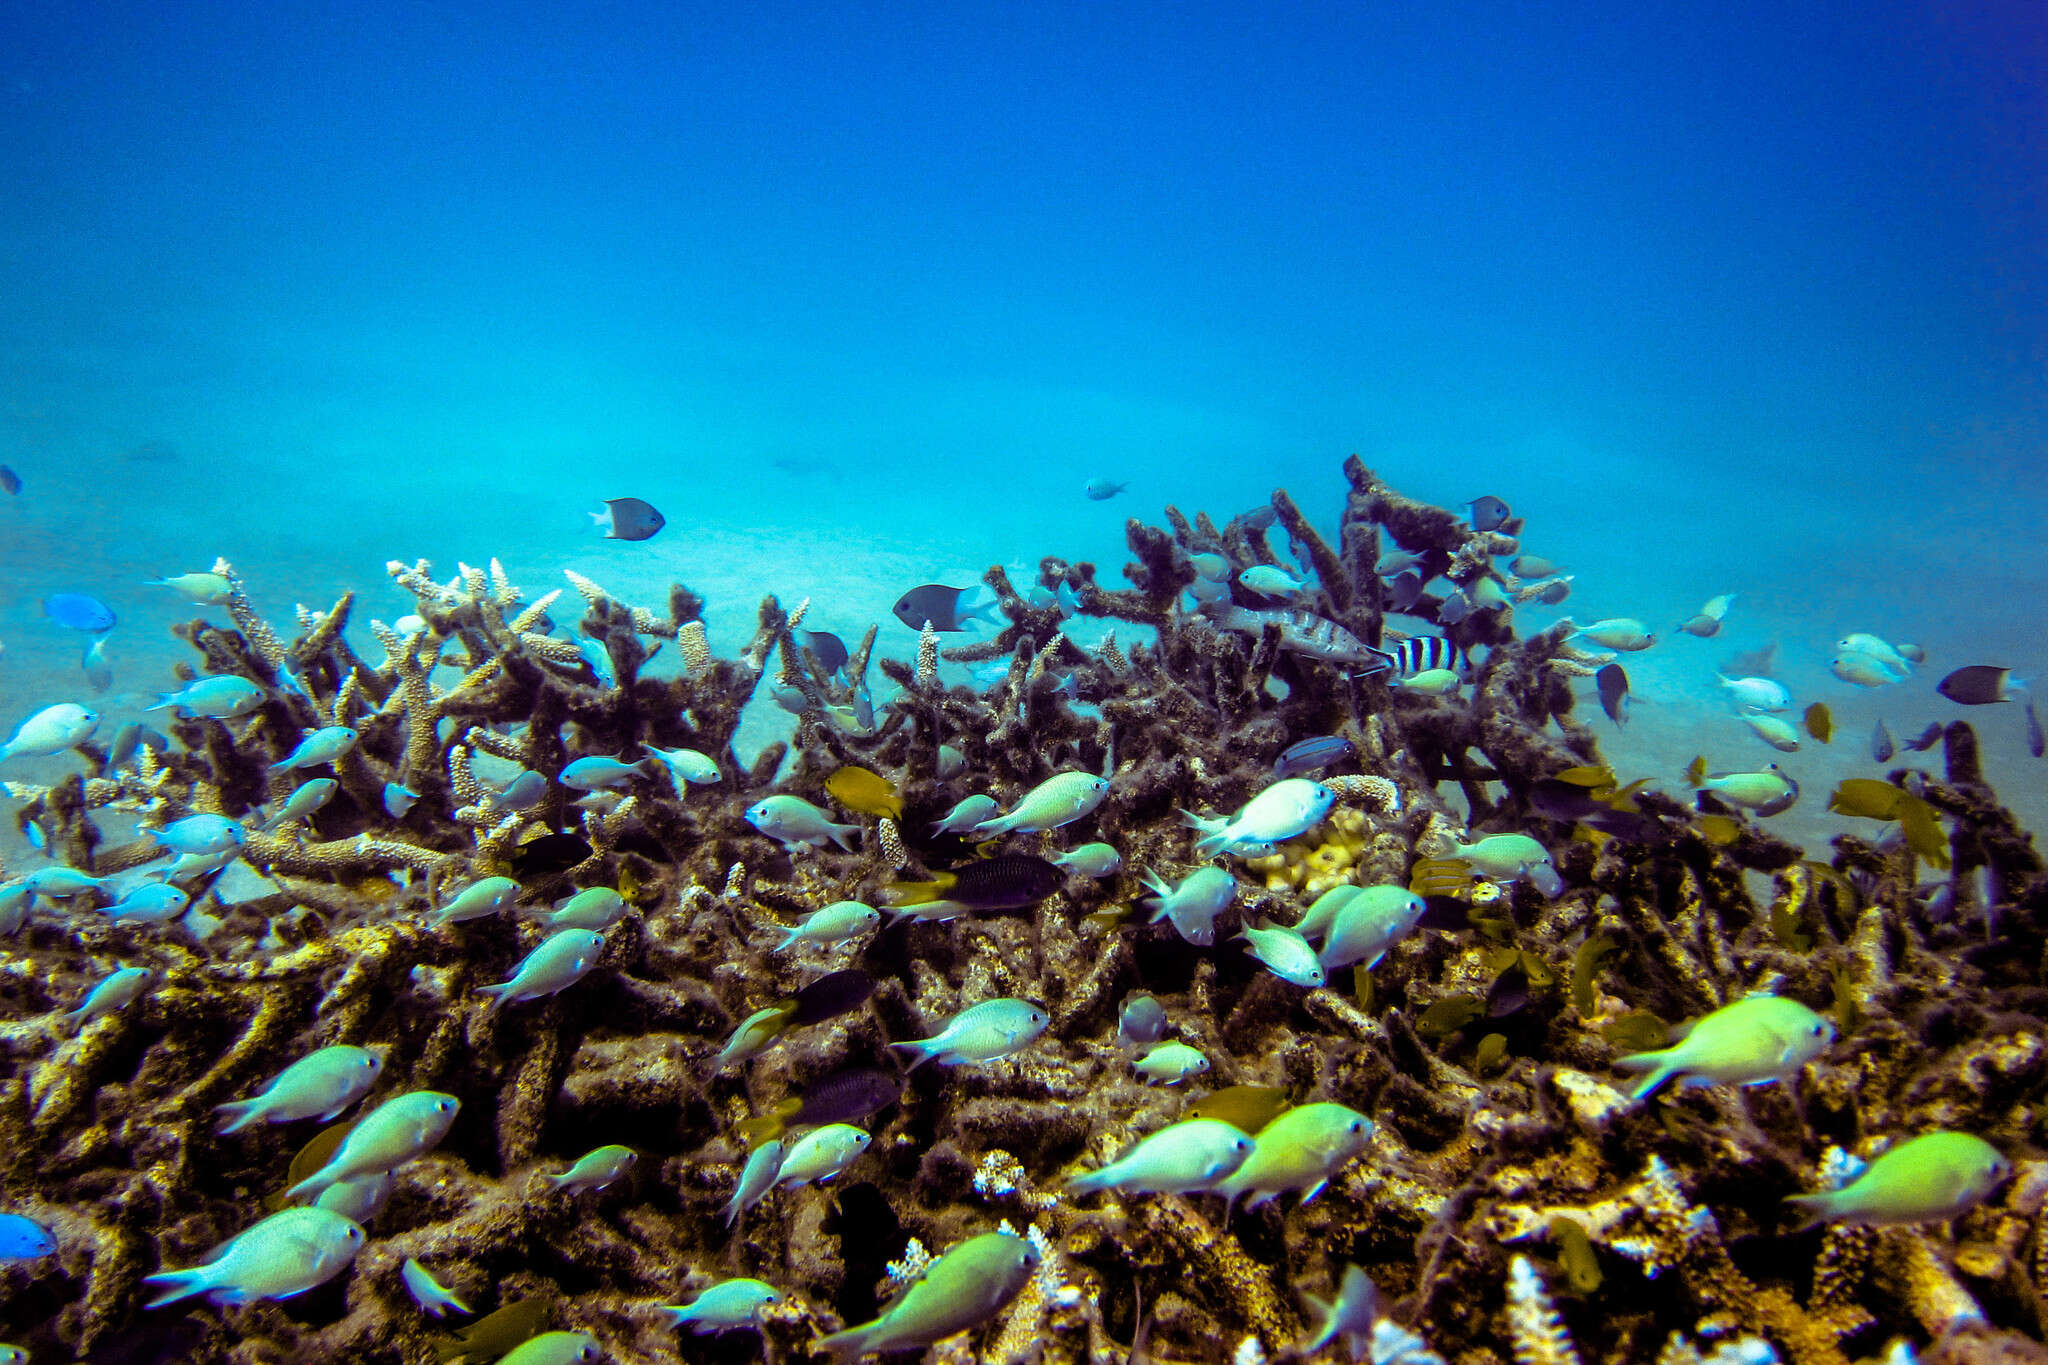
(1660, 1068)
(924, 1053)
(312, 1185)
(497, 993)
(1813, 1209)
(1088, 1182)
(921, 893)
(841, 833)
(177, 1284)
(239, 1114)
(164, 700)
(793, 935)
(844, 1346)
(1319, 1313)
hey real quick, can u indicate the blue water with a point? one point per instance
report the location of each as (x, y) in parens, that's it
(1720, 302)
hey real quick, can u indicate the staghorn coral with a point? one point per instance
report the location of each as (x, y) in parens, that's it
(1487, 1071)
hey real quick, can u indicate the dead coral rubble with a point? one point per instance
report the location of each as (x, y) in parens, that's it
(1512, 1204)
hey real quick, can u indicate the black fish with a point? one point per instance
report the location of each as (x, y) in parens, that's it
(547, 855)
(847, 1096)
(1488, 513)
(1626, 824)
(1313, 755)
(131, 737)
(830, 996)
(1420, 655)
(1560, 800)
(9, 480)
(2037, 744)
(1880, 744)
(1259, 518)
(1404, 590)
(1927, 738)
(628, 519)
(830, 649)
(1009, 881)
(1555, 591)
(942, 606)
(1613, 685)
(1977, 685)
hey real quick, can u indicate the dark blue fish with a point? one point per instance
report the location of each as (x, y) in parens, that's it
(24, 1239)
(9, 480)
(829, 996)
(1927, 738)
(1488, 513)
(1880, 744)
(944, 607)
(2037, 743)
(1612, 683)
(76, 611)
(847, 1096)
(1313, 755)
(830, 649)
(1979, 685)
(1404, 590)
(1560, 800)
(628, 519)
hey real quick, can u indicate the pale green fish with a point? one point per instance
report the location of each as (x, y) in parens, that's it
(793, 820)
(1323, 913)
(207, 589)
(361, 1198)
(1059, 800)
(1091, 860)
(1285, 953)
(822, 1154)
(952, 763)
(687, 766)
(595, 1169)
(59, 883)
(1183, 1158)
(1171, 1063)
(1766, 792)
(324, 745)
(116, 990)
(285, 1254)
(1300, 1150)
(757, 1177)
(1485, 593)
(319, 1085)
(428, 1292)
(220, 697)
(1618, 632)
(1270, 580)
(1864, 670)
(1758, 1038)
(598, 907)
(755, 1032)
(403, 1127)
(982, 1033)
(1371, 922)
(1773, 732)
(724, 1306)
(1927, 1179)
(564, 959)
(1877, 648)
(1193, 905)
(51, 731)
(1430, 682)
(1353, 1316)
(476, 900)
(835, 923)
(306, 798)
(1287, 808)
(1504, 857)
(554, 1348)
(963, 1288)
(968, 812)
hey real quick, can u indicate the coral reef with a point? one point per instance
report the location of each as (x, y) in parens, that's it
(1512, 1204)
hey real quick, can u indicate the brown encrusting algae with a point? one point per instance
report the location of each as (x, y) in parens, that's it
(629, 1052)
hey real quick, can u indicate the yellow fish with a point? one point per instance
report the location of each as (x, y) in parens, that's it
(1439, 876)
(1820, 722)
(1922, 830)
(1587, 776)
(869, 793)
(1719, 830)
(1247, 1108)
(310, 1158)
(1867, 798)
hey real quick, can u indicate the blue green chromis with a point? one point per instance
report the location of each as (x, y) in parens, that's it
(1926, 1179)
(963, 1288)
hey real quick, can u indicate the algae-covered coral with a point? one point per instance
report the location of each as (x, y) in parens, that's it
(1492, 1180)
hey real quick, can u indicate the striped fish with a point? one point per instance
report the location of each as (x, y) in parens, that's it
(1419, 655)
(1302, 632)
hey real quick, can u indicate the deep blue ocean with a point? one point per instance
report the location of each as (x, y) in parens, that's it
(1722, 300)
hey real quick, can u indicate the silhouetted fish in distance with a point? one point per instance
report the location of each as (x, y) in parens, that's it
(946, 608)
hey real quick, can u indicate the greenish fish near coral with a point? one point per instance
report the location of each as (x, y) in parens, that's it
(595, 1169)
(1298, 1151)
(981, 1033)
(1171, 1063)
(724, 1307)
(284, 1254)
(427, 1291)
(319, 1085)
(561, 961)
(1926, 1179)
(1182, 1158)
(963, 1288)
(396, 1131)
(1758, 1038)
(554, 1348)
